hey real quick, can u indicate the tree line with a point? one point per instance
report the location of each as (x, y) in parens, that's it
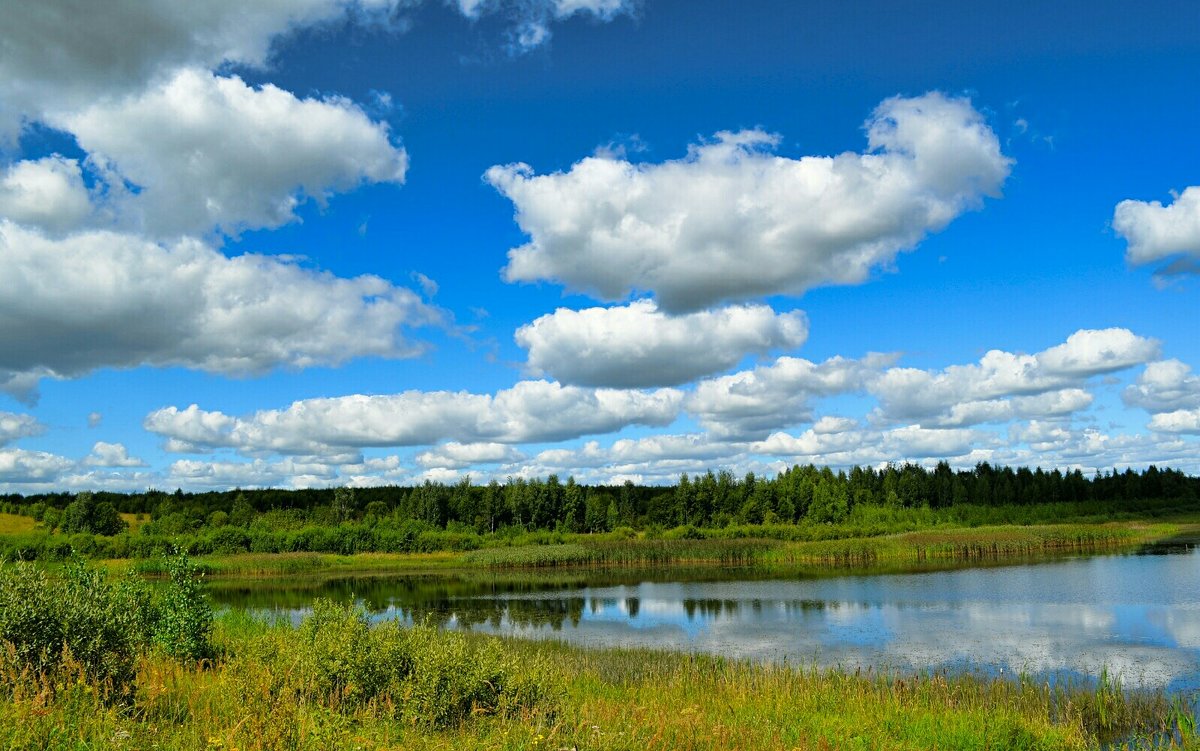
(799, 495)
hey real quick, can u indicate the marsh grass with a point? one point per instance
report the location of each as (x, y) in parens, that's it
(270, 565)
(911, 548)
(335, 683)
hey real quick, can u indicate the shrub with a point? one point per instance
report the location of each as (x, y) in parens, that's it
(184, 625)
(81, 618)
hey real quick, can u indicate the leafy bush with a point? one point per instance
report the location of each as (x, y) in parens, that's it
(184, 623)
(81, 618)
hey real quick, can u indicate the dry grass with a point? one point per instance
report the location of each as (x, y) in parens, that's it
(12, 524)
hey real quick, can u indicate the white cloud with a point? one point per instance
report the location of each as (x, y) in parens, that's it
(829, 424)
(1004, 385)
(453, 455)
(733, 221)
(1164, 386)
(206, 151)
(605, 9)
(812, 443)
(62, 54)
(916, 442)
(601, 8)
(755, 402)
(94, 419)
(532, 18)
(1179, 421)
(637, 346)
(845, 448)
(111, 455)
(258, 473)
(18, 466)
(1156, 232)
(46, 193)
(529, 412)
(1090, 352)
(14, 427)
(102, 299)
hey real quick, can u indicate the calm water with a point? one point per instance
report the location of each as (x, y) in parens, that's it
(1139, 615)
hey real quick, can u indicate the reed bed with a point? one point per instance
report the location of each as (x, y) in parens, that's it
(965, 544)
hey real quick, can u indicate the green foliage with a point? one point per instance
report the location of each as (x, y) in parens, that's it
(84, 514)
(79, 618)
(801, 503)
(184, 624)
(421, 675)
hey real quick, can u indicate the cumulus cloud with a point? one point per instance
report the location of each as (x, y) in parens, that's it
(529, 412)
(111, 455)
(18, 466)
(1178, 421)
(830, 424)
(733, 221)
(103, 299)
(1156, 232)
(61, 54)
(1164, 386)
(637, 346)
(14, 427)
(755, 402)
(206, 151)
(863, 447)
(454, 455)
(47, 193)
(1004, 385)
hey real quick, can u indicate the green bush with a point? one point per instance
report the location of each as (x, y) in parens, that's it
(81, 617)
(184, 624)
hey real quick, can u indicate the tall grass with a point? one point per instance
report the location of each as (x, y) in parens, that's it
(959, 544)
(336, 683)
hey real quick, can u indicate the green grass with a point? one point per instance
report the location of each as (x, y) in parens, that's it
(939, 546)
(12, 524)
(279, 686)
(909, 548)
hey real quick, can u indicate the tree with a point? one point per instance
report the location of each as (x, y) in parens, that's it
(84, 514)
(574, 510)
(343, 504)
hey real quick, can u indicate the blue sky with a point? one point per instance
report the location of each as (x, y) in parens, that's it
(330, 242)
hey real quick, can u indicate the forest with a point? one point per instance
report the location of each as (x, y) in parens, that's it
(465, 516)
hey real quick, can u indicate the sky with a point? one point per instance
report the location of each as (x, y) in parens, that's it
(309, 243)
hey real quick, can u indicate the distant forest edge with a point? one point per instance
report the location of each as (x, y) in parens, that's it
(801, 503)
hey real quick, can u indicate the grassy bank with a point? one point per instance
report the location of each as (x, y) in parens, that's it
(936, 547)
(322, 685)
(909, 548)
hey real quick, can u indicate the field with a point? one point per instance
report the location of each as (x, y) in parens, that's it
(13, 524)
(302, 688)
(341, 684)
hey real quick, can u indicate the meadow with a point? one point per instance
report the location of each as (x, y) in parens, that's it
(124, 652)
(334, 681)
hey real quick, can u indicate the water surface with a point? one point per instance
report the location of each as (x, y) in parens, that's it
(1136, 615)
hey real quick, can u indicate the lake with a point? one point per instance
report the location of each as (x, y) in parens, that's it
(1136, 614)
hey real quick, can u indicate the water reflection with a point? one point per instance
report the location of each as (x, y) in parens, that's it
(1139, 615)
